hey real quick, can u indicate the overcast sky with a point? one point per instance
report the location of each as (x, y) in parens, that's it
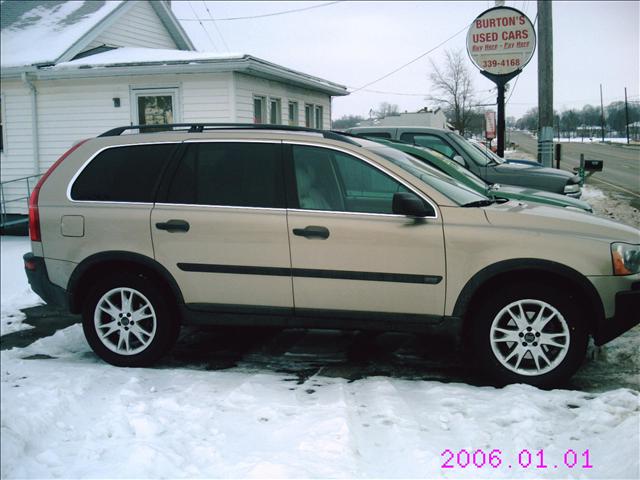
(355, 42)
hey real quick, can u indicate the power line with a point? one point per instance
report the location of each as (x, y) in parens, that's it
(273, 14)
(202, 25)
(216, 26)
(412, 61)
(408, 93)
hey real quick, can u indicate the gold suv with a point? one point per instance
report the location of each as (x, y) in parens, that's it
(282, 226)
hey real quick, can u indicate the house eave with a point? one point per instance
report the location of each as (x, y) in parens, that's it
(246, 64)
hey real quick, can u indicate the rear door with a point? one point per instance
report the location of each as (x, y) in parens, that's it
(350, 254)
(220, 227)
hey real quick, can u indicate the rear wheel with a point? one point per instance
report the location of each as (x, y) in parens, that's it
(530, 334)
(128, 321)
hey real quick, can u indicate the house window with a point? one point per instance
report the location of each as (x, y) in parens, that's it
(275, 111)
(308, 116)
(259, 110)
(155, 106)
(155, 110)
(318, 112)
(293, 113)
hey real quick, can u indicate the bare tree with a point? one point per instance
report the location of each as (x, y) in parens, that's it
(386, 109)
(453, 89)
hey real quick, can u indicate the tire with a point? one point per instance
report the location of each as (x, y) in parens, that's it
(128, 321)
(543, 351)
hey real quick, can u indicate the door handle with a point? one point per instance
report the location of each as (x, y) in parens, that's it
(312, 231)
(173, 226)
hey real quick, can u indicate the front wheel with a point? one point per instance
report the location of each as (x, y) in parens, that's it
(128, 322)
(530, 334)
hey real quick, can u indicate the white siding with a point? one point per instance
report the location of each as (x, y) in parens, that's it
(247, 86)
(139, 27)
(206, 98)
(16, 159)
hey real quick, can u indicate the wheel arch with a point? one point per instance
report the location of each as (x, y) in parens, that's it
(531, 269)
(110, 261)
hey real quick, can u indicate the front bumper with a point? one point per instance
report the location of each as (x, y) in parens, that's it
(627, 316)
(36, 271)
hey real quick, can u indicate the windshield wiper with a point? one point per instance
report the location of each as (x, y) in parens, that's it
(480, 203)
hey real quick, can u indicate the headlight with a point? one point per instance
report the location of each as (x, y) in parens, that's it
(574, 188)
(625, 258)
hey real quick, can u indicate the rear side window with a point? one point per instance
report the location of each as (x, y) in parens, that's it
(429, 141)
(376, 134)
(123, 174)
(230, 174)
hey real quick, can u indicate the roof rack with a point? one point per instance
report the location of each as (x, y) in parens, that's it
(200, 127)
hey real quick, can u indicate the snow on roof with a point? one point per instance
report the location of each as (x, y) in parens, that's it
(39, 32)
(139, 55)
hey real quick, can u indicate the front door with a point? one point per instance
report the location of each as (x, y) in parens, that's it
(349, 252)
(221, 228)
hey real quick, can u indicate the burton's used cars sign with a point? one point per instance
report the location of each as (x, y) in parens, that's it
(501, 41)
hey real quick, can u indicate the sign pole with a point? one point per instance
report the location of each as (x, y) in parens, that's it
(500, 42)
(501, 81)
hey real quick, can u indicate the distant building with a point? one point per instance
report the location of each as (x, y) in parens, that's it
(72, 70)
(421, 118)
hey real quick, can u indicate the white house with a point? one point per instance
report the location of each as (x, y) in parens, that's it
(72, 70)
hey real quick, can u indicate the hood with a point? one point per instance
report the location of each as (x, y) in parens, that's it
(542, 218)
(528, 169)
(541, 196)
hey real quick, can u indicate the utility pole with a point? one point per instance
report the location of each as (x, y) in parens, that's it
(545, 83)
(626, 113)
(601, 114)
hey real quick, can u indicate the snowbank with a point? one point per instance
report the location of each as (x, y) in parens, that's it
(16, 293)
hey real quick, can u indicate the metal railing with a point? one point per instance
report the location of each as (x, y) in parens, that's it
(7, 200)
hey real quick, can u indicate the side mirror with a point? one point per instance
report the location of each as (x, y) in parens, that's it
(460, 160)
(405, 203)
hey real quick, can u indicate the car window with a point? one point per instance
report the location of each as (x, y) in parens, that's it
(229, 174)
(430, 141)
(470, 151)
(335, 181)
(440, 161)
(123, 174)
(376, 134)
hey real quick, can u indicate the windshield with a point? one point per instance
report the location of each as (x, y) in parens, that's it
(487, 151)
(471, 177)
(476, 155)
(429, 175)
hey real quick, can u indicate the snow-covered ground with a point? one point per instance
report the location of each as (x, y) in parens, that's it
(16, 293)
(66, 414)
(595, 139)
